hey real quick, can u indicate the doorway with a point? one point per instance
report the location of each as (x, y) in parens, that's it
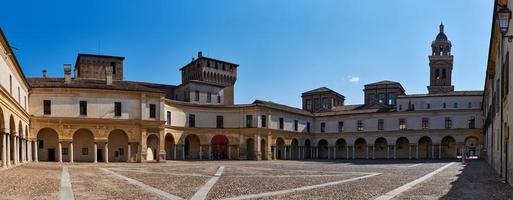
(99, 154)
(51, 154)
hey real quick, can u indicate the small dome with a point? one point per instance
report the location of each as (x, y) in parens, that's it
(441, 36)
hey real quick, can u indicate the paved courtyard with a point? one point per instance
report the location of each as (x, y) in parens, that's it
(254, 180)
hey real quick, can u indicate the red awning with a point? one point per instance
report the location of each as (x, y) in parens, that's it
(219, 139)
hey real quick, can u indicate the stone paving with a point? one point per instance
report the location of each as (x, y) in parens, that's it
(361, 179)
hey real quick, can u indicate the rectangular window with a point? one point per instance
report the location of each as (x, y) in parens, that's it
(196, 95)
(381, 124)
(64, 151)
(192, 120)
(168, 117)
(425, 123)
(220, 121)
(428, 106)
(402, 124)
(85, 151)
(359, 125)
(448, 123)
(10, 84)
(308, 127)
(47, 107)
(83, 108)
(381, 97)
(469, 105)
(323, 127)
(295, 125)
(209, 97)
(340, 126)
(455, 105)
(249, 121)
(308, 105)
(117, 109)
(472, 122)
(41, 144)
(444, 105)
(153, 110)
(281, 122)
(392, 98)
(219, 99)
(263, 123)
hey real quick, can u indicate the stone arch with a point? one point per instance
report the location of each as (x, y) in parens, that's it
(402, 146)
(323, 149)
(381, 148)
(250, 149)
(83, 146)
(294, 149)
(20, 130)
(341, 148)
(308, 149)
(263, 149)
(280, 148)
(425, 147)
(219, 147)
(152, 147)
(448, 146)
(192, 147)
(48, 144)
(12, 125)
(169, 145)
(360, 148)
(472, 146)
(118, 146)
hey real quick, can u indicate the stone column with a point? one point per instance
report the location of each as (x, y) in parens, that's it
(210, 151)
(4, 150)
(229, 152)
(8, 149)
(60, 151)
(290, 152)
(200, 152)
(106, 153)
(183, 151)
(347, 152)
(373, 152)
(409, 151)
(395, 152)
(35, 151)
(353, 152)
(440, 151)
(22, 151)
(433, 151)
(94, 153)
(258, 147)
(417, 151)
(29, 151)
(174, 152)
(367, 152)
(16, 149)
(71, 159)
(274, 153)
(388, 151)
(316, 152)
(138, 154)
(299, 152)
(334, 152)
(129, 153)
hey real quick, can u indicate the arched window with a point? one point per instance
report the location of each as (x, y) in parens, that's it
(444, 73)
(437, 73)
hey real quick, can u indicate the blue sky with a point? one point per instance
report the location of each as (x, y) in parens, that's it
(283, 47)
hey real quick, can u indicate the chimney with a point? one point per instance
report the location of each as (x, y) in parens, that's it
(44, 73)
(200, 54)
(67, 73)
(108, 74)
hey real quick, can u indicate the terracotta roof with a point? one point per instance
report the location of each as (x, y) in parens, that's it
(321, 90)
(282, 107)
(100, 84)
(385, 82)
(455, 93)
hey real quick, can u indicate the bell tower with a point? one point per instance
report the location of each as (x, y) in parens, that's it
(440, 64)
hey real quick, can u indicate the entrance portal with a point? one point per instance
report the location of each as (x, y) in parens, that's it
(219, 147)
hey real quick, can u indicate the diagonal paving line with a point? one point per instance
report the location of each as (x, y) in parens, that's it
(66, 192)
(280, 192)
(407, 186)
(203, 191)
(143, 186)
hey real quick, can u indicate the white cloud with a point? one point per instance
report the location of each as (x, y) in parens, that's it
(354, 79)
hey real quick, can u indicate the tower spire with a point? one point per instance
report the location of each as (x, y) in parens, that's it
(441, 27)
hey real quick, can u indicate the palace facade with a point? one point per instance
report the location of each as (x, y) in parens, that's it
(92, 114)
